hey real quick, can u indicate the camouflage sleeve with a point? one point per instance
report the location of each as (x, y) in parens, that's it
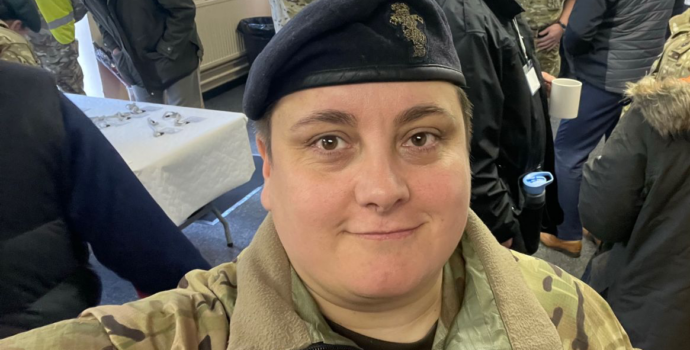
(79, 10)
(17, 52)
(194, 316)
(584, 320)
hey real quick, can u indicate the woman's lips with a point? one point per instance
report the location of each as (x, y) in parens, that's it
(387, 235)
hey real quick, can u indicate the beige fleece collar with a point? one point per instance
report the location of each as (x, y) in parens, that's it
(265, 317)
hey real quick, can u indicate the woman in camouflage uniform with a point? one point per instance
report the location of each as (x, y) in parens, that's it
(370, 244)
(17, 18)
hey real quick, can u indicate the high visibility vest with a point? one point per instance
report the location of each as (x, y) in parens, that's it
(59, 14)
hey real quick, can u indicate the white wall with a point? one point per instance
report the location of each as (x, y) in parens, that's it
(93, 84)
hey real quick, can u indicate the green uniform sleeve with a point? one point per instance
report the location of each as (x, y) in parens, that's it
(17, 52)
(196, 315)
(583, 319)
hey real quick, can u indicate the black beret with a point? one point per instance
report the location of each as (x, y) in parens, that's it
(25, 11)
(337, 42)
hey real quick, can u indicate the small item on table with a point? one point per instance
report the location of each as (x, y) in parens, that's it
(135, 109)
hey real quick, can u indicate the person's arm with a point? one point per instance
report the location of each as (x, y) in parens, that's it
(583, 24)
(79, 10)
(550, 37)
(194, 316)
(179, 26)
(611, 195)
(108, 40)
(111, 210)
(567, 11)
(482, 67)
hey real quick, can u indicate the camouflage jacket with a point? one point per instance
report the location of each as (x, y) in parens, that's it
(492, 299)
(15, 48)
(675, 60)
(539, 15)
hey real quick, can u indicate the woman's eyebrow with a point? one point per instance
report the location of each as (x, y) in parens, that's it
(422, 111)
(329, 116)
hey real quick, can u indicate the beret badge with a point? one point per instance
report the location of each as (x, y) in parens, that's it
(401, 16)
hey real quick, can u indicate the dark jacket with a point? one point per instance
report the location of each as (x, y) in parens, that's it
(511, 133)
(637, 196)
(610, 43)
(158, 39)
(65, 187)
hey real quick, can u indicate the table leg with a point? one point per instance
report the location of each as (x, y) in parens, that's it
(226, 226)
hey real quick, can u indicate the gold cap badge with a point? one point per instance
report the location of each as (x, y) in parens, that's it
(401, 16)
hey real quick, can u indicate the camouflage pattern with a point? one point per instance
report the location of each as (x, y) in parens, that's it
(60, 59)
(675, 60)
(15, 48)
(541, 14)
(284, 10)
(273, 309)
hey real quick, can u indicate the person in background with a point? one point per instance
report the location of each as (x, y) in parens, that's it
(283, 10)
(609, 44)
(64, 189)
(155, 46)
(548, 20)
(641, 265)
(370, 242)
(17, 18)
(636, 196)
(55, 44)
(675, 59)
(511, 133)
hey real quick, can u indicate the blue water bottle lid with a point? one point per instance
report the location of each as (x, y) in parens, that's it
(535, 183)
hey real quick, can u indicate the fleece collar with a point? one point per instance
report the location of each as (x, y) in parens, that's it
(266, 317)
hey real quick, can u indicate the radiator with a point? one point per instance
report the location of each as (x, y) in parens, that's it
(223, 46)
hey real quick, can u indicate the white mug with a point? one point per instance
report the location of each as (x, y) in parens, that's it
(565, 98)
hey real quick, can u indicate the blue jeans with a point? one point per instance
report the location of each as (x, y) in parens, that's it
(576, 139)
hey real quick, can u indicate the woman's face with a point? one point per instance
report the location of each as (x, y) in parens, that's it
(368, 185)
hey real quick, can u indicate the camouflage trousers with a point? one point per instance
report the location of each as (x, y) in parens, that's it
(61, 60)
(550, 60)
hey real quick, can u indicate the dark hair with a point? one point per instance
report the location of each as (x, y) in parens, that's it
(7, 13)
(4, 11)
(263, 125)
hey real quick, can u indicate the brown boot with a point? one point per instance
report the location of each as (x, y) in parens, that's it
(569, 248)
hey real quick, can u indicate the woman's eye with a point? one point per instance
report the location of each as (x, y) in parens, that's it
(330, 143)
(421, 139)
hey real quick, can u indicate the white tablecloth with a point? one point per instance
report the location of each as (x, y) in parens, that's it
(182, 171)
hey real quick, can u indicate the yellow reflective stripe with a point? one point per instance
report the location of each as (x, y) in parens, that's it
(61, 21)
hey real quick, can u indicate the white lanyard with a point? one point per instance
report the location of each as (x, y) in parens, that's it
(522, 40)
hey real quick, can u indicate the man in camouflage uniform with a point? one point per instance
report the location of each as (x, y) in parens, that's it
(283, 10)
(61, 59)
(675, 60)
(370, 239)
(548, 20)
(15, 18)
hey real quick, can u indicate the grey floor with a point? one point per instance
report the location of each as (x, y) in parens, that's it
(246, 218)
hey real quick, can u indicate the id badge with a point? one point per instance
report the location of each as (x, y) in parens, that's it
(532, 79)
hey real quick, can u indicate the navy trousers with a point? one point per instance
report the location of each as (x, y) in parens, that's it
(576, 139)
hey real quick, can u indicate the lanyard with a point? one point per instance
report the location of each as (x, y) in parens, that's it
(522, 40)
